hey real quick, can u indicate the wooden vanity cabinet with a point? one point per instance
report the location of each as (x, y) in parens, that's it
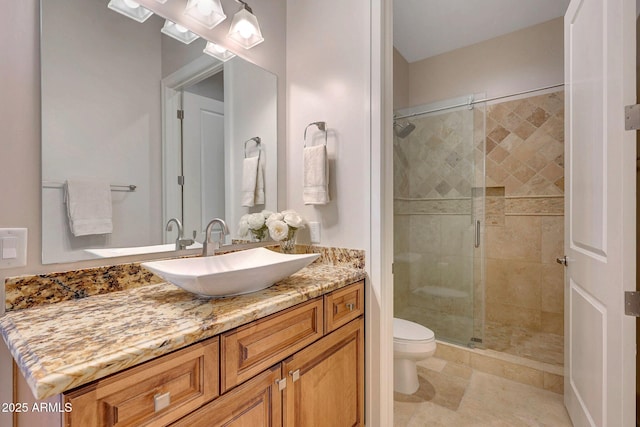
(303, 366)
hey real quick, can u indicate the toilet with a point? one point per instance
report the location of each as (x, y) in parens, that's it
(411, 343)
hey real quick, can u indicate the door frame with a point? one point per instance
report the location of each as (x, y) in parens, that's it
(171, 101)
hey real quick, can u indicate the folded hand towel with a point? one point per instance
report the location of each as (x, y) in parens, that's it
(316, 175)
(89, 207)
(249, 181)
(259, 196)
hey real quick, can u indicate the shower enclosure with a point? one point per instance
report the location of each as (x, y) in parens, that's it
(438, 218)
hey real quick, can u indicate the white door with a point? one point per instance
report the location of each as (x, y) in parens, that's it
(600, 217)
(203, 153)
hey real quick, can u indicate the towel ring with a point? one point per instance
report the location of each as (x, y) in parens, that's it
(258, 142)
(321, 126)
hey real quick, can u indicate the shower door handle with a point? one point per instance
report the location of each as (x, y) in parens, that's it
(477, 242)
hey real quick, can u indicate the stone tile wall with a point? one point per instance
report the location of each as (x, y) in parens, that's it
(525, 227)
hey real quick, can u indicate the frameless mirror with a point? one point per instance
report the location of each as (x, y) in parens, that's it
(111, 91)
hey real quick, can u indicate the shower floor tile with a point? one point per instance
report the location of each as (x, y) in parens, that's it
(460, 396)
(539, 346)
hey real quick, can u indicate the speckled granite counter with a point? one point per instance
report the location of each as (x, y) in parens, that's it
(64, 345)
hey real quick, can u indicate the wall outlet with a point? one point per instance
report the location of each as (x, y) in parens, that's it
(314, 232)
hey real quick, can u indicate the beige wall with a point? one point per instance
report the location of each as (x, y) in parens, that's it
(522, 60)
(400, 80)
(328, 79)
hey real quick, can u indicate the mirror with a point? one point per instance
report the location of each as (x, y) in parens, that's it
(111, 88)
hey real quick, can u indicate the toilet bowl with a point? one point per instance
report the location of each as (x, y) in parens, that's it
(411, 343)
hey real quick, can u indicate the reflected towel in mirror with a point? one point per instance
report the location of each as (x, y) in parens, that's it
(89, 206)
(253, 181)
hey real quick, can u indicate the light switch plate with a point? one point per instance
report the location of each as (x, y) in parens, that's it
(314, 232)
(15, 257)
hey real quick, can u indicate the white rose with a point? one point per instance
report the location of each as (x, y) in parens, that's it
(293, 219)
(243, 226)
(266, 214)
(278, 230)
(243, 229)
(255, 221)
(274, 217)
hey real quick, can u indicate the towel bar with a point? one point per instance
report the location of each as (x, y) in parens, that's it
(258, 142)
(321, 126)
(114, 187)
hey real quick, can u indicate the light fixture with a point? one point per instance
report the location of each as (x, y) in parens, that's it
(218, 52)
(178, 32)
(130, 9)
(161, 1)
(244, 28)
(207, 12)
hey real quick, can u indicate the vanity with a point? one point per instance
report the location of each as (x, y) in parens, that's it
(291, 354)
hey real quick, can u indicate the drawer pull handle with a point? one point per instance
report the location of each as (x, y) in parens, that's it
(351, 306)
(281, 383)
(295, 375)
(161, 401)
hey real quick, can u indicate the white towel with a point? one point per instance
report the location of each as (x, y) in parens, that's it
(259, 196)
(316, 175)
(89, 207)
(249, 180)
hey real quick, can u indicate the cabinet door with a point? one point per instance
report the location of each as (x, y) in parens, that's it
(256, 403)
(325, 381)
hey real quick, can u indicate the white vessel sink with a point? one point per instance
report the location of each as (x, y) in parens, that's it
(230, 274)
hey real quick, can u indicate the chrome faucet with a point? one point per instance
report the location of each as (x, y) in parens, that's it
(181, 242)
(207, 236)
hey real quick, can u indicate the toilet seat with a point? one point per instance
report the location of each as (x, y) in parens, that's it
(406, 331)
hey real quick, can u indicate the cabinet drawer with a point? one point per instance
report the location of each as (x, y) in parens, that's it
(154, 393)
(343, 305)
(250, 349)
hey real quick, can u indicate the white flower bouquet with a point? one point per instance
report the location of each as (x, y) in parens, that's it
(254, 224)
(283, 225)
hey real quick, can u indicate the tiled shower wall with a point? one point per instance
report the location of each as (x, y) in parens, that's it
(436, 169)
(525, 227)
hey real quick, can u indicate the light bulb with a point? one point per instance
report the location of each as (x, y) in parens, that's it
(205, 7)
(132, 4)
(245, 29)
(180, 28)
(218, 48)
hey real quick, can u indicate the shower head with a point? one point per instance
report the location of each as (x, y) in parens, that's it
(402, 131)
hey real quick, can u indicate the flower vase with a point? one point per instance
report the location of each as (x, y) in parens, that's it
(288, 245)
(259, 235)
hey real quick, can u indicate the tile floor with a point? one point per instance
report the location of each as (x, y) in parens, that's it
(455, 395)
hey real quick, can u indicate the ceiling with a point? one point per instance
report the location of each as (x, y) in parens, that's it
(424, 28)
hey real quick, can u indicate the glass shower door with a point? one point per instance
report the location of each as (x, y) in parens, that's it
(438, 215)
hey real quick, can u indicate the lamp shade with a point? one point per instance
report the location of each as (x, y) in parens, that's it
(130, 9)
(207, 12)
(178, 32)
(245, 29)
(218, 52)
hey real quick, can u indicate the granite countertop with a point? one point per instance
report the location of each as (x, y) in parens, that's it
(70, 343)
